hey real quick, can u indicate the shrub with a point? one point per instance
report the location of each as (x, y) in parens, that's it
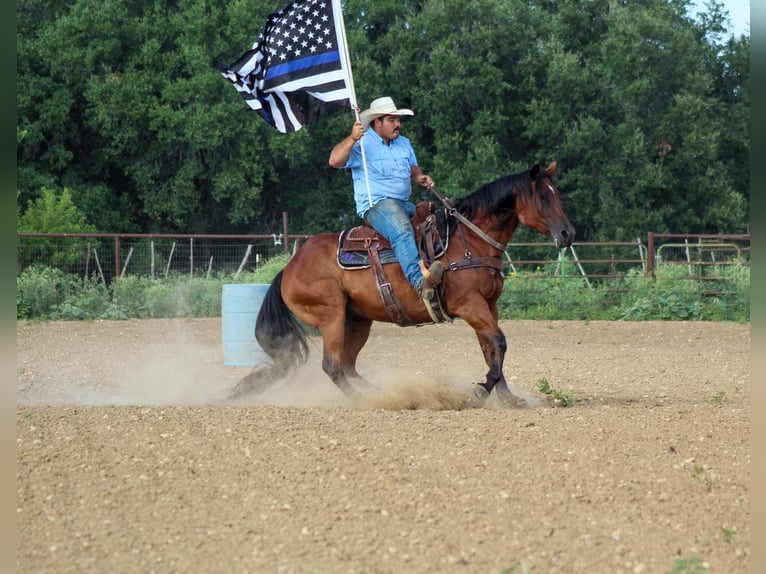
(47, 293)
(266, 272)
(39, 289)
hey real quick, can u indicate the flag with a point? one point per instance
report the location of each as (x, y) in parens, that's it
(301, 48)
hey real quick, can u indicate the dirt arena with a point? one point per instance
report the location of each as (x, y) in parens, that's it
(129, 459)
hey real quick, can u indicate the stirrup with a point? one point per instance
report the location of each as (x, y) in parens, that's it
(434, 273)
(426, 290)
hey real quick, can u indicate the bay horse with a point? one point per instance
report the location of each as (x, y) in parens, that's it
(342, 304)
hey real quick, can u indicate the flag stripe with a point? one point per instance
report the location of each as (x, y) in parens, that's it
(320, 61)
(316, 83)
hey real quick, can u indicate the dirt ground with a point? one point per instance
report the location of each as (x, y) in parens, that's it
(129, 458)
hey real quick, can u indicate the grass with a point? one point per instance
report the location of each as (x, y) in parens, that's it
(705, 476)
(729, 534)
(557, 397)
(691, 565)
(521, 568)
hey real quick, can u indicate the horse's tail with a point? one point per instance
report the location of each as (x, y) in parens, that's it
(279, 333)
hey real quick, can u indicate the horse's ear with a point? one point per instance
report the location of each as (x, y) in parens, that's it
(551, 168)
(535, 171)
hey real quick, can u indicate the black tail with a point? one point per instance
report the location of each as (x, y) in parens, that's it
(278, 331)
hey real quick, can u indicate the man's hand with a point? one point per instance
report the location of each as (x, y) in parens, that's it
(424, 180)
(357, 131)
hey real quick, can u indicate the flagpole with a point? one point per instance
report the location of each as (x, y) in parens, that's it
(340, 25)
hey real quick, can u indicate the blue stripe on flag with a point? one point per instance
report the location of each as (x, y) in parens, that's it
(302, 64)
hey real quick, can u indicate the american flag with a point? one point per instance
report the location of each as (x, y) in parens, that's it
(301, 48)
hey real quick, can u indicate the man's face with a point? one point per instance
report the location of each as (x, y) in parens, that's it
(388, 127)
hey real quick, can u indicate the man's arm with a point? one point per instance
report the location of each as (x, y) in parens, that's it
(339, 154)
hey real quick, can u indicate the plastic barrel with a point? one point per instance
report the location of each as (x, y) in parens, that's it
(240, 304)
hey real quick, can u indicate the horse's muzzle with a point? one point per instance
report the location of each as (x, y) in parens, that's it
(563, 236)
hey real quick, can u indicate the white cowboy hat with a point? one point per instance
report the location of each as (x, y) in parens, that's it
(382, 107)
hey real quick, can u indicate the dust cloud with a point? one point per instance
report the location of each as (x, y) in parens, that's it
(164, 363)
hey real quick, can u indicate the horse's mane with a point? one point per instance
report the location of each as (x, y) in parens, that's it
(497, 197)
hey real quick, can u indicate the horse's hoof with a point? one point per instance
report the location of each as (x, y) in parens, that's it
(480, 395)
(513, 401)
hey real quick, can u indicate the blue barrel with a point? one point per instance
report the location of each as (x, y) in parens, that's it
(240, 304)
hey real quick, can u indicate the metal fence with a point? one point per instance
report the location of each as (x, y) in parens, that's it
(157, 256)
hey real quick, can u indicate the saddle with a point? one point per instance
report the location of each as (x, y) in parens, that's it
(362, 247)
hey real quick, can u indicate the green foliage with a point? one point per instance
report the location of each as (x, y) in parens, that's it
(729, 534)
(53, 213)
(51, 294)
(558, 397)
(267, 271)
(691, 565)
(39, 289)
(646, 110)
(671, 295)
(549, 293)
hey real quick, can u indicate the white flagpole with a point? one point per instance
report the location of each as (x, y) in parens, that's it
(340, 26)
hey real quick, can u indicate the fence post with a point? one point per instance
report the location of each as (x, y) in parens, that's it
(284, 232)
(650, 254)
(116, 255)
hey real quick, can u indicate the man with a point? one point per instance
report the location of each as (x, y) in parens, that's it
(392, 168)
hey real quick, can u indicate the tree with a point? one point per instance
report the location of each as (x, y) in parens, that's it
(52, 213)
(645, 109)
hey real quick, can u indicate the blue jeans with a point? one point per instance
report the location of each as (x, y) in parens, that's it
(391, 218)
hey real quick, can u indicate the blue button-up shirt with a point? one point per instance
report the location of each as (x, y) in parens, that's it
(389, 167)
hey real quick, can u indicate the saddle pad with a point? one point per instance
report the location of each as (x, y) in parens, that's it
(352, 251)
(358, 258)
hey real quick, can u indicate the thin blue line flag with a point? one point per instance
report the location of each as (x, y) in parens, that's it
(301, 48)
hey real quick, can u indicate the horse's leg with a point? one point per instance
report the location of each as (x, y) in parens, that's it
(334, 357)
(259, 380)
(493, 345)
(356, 334)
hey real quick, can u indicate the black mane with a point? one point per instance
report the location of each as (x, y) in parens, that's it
(497, 197)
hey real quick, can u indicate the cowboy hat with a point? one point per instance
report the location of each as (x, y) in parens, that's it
(382, 107)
